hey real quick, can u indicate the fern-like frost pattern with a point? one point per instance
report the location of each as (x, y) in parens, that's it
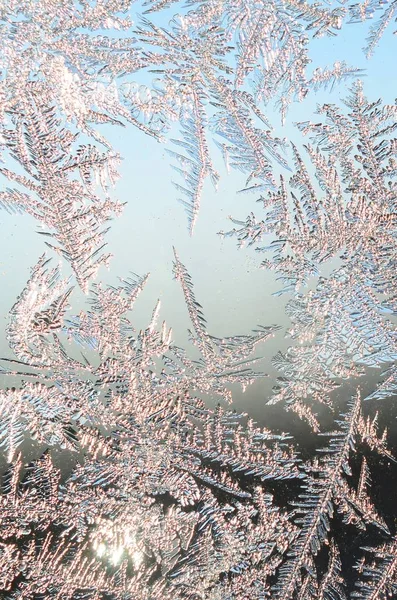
(173, 494)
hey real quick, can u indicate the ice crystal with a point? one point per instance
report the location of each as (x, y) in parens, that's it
(148, 496)
(380, 575)
(70, 209)
(369, 9)
(326, 488)
(346, 217)
(79, 55)
(199, 54)
(173, 494)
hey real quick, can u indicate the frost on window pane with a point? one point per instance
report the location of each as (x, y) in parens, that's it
(345, 212)
(173, 493)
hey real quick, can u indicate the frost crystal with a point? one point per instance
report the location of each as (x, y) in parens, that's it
(346, 218)
(173, 494)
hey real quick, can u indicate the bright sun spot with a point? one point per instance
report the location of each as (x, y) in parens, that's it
(101, 549)
(116, 555)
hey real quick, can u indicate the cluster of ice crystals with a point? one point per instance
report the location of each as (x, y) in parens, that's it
(173, 494)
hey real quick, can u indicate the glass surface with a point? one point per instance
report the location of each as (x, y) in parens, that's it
(198, 397)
